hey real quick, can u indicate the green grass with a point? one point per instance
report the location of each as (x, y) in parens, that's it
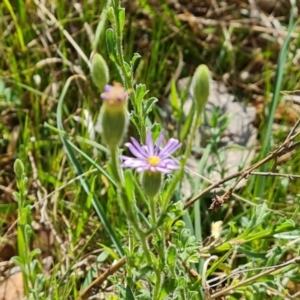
(71, 192)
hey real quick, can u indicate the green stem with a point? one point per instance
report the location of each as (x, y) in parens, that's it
(160, 249)
(131, 249)
(115, 168)
(23, 243)
(152, 210)
(127, 206)
(155, 226)
(145, 247)
(129, 211)
(128, 80)
(131, 91)
(157, 286)
(133, 221)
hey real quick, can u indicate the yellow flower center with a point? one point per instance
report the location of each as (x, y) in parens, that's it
(153, 160)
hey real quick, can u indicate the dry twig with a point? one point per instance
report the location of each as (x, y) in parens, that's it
(287, 146)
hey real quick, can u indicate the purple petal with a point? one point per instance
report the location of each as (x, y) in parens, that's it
(145, 148)
(168, 161)
(140, 162)
(139, 147)
(169, 164)
(173, 167)
(104, 96)
(172, 146)
(163, 170)
(172, 163)
(130, 161)
(141, 169)
(158, 142)
(124, 157)
(137, 152)
(149, 143)
(108, 88)
(152, 168)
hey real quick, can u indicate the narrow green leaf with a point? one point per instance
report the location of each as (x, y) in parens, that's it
(127, 69)
(140, 94)
(85, 209)
(285, 226)
(16, 24)
(265, 279)
(34, 252)
(135, 57)
(78, 170)
(216, 264)
(270, 115)
(111, 16)
(174, 100)
(171, 256)
(8, 207)
(129, 185)
(101, 27)
(188, 123)
(260, 214)
(252, 254)
(121, 19)
(148, 107)
(110, 251)
(169, 286)
(129, 294)
(89, 159)
(17, 260)
(93, 271)
(111, 44)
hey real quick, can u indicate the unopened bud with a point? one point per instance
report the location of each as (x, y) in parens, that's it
(19, 168)
(151, 183)
(114, 115)
(201, 86)
(100, 72)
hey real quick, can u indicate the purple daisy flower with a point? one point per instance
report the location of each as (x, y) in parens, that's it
(150, 157)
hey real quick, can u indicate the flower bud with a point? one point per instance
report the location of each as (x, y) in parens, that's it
(100, 72)
(151, 182)
(201, 86)
(19, 168)
(113, 115)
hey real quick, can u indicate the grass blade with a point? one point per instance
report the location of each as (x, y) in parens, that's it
(78, 170)
(267, 136)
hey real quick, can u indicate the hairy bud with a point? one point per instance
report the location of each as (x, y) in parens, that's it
(100, 72)
(19, 168)
(201, 86)
(114, 115)
(151, 182)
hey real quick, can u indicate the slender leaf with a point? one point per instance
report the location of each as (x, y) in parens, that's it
(78, 170)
